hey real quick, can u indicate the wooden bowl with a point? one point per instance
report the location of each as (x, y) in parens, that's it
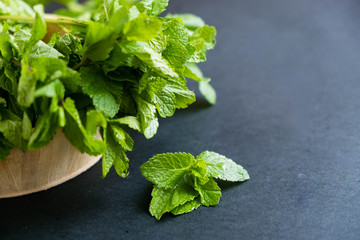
(34, 171)
(24, 173)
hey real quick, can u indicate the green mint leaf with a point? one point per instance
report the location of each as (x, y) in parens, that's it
(176, 31)
(16, 8)
(165, 170)
(114, 156)
(152, 7)
(165, 102)
(5, 43)
(148, 118)
(143, 28)
(53, 89)
(45, 129)
(130, 121)
(93, 82)
(94, 120)
(27, 86)
(38, 32)
(166, 199)
(99, 41)
(5, 147)
(210, 192)
(191, 21)
(122, 138)
(223, 168)
(26, 127)
(150, 57)
(184, 97)
(208, 92)
(187, 207)
(77, 134)
(11, 127)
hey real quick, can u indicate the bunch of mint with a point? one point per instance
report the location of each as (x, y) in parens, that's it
(115, 67)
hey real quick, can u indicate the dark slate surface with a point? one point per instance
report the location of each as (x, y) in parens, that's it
(288, 81)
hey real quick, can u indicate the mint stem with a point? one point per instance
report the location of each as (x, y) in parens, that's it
(60, 20)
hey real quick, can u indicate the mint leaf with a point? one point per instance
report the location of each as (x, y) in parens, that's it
(122, 138)
(165, 170)
(148, 118)
(208, 92)
(77, 134)
(130, 121)
(95, 84)
(165, 199)
(5, 147)
(187, 207)
(152, 7)
(114, 155)
(190, 21)
(143, 28)
(223, 168)
(45, 129)
(210, 192)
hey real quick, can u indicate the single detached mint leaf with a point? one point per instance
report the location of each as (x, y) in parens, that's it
(166, 199)
(223, 168)
(165, 170)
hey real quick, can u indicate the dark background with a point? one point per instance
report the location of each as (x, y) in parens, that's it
(288, 82)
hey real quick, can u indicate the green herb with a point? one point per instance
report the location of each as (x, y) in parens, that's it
(182, 182)
(115, 66)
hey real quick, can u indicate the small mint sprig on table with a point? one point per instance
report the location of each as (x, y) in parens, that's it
(182, 182)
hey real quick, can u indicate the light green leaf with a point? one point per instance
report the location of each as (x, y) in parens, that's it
(166, 199)
(208, 92)
(130, 121)
(148, 118)
(165, 101)
(191, 21)
(114, 156)
(93, 82)
(143, 28)
(166, 170)
(94, 120)
(122, 138)
(45, 129)
(187, 207)
(210, 192)
(54, 89)
(152, 7)
(26, 127)
(5, 147)
(150, 57)
(223, 168)
(76, 133)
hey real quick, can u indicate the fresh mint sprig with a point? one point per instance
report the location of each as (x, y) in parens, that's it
(182, 182)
